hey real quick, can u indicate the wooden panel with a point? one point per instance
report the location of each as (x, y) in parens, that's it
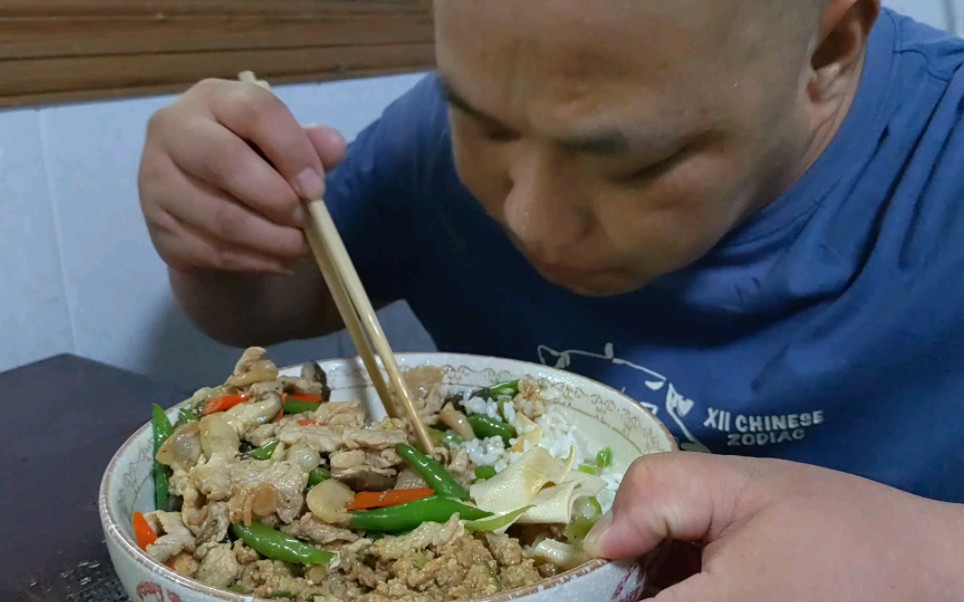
(59, 50)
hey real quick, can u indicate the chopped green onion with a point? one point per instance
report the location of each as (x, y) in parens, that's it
(449, 438)
(484, 472)
(494, 575)
(318, 475)
(589, 469)
(494, 523)
(604, 459)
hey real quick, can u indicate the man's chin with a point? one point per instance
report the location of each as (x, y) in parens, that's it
(601, 286)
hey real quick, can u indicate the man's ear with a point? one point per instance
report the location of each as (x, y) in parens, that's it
(845, 27)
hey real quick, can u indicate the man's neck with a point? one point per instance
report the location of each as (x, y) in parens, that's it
(825, 131)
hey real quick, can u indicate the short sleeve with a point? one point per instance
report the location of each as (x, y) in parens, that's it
(372, 192)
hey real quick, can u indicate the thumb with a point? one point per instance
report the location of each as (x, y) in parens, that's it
(679, 495)
(328, 143)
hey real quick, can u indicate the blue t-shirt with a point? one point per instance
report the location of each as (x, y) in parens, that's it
(828, 329)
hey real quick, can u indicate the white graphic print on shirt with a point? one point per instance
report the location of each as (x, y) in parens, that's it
(741, 430)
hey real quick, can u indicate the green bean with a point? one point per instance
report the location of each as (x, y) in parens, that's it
(318, 475)
(264, 452)
(161, 429)
(276, 545)
(433, 473)
(485, 426)
(405, 517)
(293, 406)
(484, 472)
(604, 459)
(449, 438)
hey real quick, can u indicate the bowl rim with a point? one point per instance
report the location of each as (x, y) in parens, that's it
(112, 530)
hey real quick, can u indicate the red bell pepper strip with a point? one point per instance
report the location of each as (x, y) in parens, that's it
(143, 532)
(365, 500)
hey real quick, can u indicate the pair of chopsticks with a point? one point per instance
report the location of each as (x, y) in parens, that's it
(356, 310)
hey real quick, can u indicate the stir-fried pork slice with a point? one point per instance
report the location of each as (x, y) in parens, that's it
(356, 469)
(303, 386)
(288, 480)
(310, 528)
(184, 564)
(262, 434)
(436, 535)
(219, 566)
(174, 537)
(323, 439)
(340, 413)
(373, 439)
(425, 383)
(215, 527)
(409, 479)
(246, 416)
(460, 466)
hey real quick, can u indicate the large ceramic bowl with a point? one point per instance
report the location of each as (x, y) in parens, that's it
(600, 415)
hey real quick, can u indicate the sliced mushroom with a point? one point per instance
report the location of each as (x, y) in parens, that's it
(327, 501)
(219, 440)
(252, 368)
(182, 447)
(313, 371)
(264, 500)
(456, 421)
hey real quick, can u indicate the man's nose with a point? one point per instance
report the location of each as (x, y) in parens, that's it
(543, 208)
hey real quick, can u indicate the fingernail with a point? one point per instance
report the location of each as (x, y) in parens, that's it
(309, 184)
(596, 537)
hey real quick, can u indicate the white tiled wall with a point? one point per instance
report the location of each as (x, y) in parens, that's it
(77, 271)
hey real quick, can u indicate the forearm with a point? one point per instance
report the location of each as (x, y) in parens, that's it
(246, 309)
(948, 537)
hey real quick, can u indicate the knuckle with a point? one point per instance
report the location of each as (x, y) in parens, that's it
(228, 260)
(255, 105)
(229, 222)
(228, 164)
(642, 473)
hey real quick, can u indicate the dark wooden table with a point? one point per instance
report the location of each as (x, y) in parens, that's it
(63, 419)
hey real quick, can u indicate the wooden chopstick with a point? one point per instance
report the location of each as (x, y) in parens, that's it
(356, 310)
(330, 241)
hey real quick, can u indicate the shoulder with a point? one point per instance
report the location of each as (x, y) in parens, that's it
(939, 52)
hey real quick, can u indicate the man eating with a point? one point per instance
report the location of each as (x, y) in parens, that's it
(746, 214)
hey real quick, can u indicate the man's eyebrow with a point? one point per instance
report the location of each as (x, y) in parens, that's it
(458, 101)
(602, 142)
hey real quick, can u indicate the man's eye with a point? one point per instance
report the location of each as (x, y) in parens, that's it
(653, 169)
(500, 134)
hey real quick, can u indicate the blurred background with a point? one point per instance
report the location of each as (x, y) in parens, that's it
(79, 274)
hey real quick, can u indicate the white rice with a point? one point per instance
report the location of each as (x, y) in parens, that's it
(558, 437)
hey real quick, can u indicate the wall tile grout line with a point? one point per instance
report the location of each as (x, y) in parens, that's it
(58, 230)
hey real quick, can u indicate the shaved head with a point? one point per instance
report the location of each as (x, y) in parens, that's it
(619, 140)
